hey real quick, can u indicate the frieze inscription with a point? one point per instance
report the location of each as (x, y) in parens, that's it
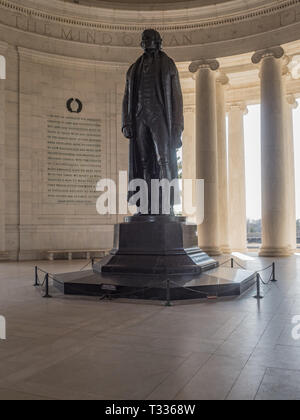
(188, 33)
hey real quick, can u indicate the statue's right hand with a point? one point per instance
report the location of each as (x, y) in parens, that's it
(128, 132)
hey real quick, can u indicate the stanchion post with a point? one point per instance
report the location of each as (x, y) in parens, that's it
(273, 273)
(36, 277)
(93, 261)
(168, 302)
(232, 263)
(258, 295)
(47, 287)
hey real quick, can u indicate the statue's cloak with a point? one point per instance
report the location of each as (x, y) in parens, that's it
(168, 85)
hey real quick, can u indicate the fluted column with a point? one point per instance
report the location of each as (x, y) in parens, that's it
(291, 104)
(275, 190)
(2, 168)
(237, 177)
(189, 146)
(222, 83)
(206, 151)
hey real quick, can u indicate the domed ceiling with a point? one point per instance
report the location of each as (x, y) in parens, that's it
(214, 8)
(203, 2)
(139, 2)
(146, 3)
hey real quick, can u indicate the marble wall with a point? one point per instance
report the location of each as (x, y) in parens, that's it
(62, 152)
(49, 155)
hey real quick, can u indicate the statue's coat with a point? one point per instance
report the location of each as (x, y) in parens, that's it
(168, 84)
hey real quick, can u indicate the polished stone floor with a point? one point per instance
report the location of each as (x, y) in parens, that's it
(83, 348)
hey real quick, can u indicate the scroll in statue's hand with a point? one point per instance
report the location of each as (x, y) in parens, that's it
(128, 132)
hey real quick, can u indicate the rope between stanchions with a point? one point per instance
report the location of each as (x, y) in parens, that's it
(57, 281)
(124, 294)
(244, 268)
(86, 265)
(188, 288)
(264, 269)
(45, 272)
(265, 282)
(225, 262)
(41, 285)
(240, 265)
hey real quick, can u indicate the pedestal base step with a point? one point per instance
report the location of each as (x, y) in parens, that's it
(219, 282)
(192, 262)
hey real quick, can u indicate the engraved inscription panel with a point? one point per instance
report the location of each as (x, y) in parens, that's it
(74, 159)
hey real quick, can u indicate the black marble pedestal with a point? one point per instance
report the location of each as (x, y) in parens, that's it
(156, 245)
(157, 258)
(220, 282)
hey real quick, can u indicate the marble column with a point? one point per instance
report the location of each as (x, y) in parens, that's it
(275, 189)
(291, 104)
(237, 177)
(222, 83)
(2, 169)
(206, 151)
(189, 146)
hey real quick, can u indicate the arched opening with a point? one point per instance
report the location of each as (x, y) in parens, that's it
(2, 68)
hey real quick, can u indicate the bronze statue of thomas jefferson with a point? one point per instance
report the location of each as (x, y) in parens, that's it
(153, 113)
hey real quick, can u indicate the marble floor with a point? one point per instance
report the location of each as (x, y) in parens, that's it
(83, 348)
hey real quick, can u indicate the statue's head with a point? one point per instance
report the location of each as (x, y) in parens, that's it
(151, 40)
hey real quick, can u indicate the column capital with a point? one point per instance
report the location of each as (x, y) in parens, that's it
(286, 72)
(276, 52)
(204, 63)
(294, 66)
(291, 100)
(222, 78)
(240, 106)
